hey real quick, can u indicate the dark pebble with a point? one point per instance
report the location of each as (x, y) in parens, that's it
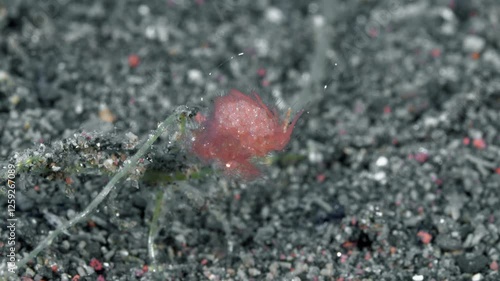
(472, 263)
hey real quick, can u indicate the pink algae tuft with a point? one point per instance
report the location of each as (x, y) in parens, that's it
(239, 128)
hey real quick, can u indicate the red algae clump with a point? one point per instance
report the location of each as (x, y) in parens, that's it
(239, 128)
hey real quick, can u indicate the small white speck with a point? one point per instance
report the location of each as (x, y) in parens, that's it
(477, 277)
(318, 21)
(143, 10)
(380, 176)
(431, 122)
(382, 161)
(339, 254)
(195, 76)
(418, 277)
(474, 43)
(315, 157)
(448, 14)
(150, 32)
(3, 75)
(108, 164)
(78, 108)
(274, 15)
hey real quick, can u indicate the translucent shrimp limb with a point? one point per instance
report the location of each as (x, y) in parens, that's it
(162, 128)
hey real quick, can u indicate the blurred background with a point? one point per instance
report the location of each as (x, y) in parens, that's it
(393, 172)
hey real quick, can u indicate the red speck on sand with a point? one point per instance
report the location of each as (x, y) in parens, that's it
(133, 61)
(387, 109)
(320, 178)
(261, 72)
(96, 264)
(421, 157)
(494, 266)
(424, 236)
(479, 143)
(435, 53)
